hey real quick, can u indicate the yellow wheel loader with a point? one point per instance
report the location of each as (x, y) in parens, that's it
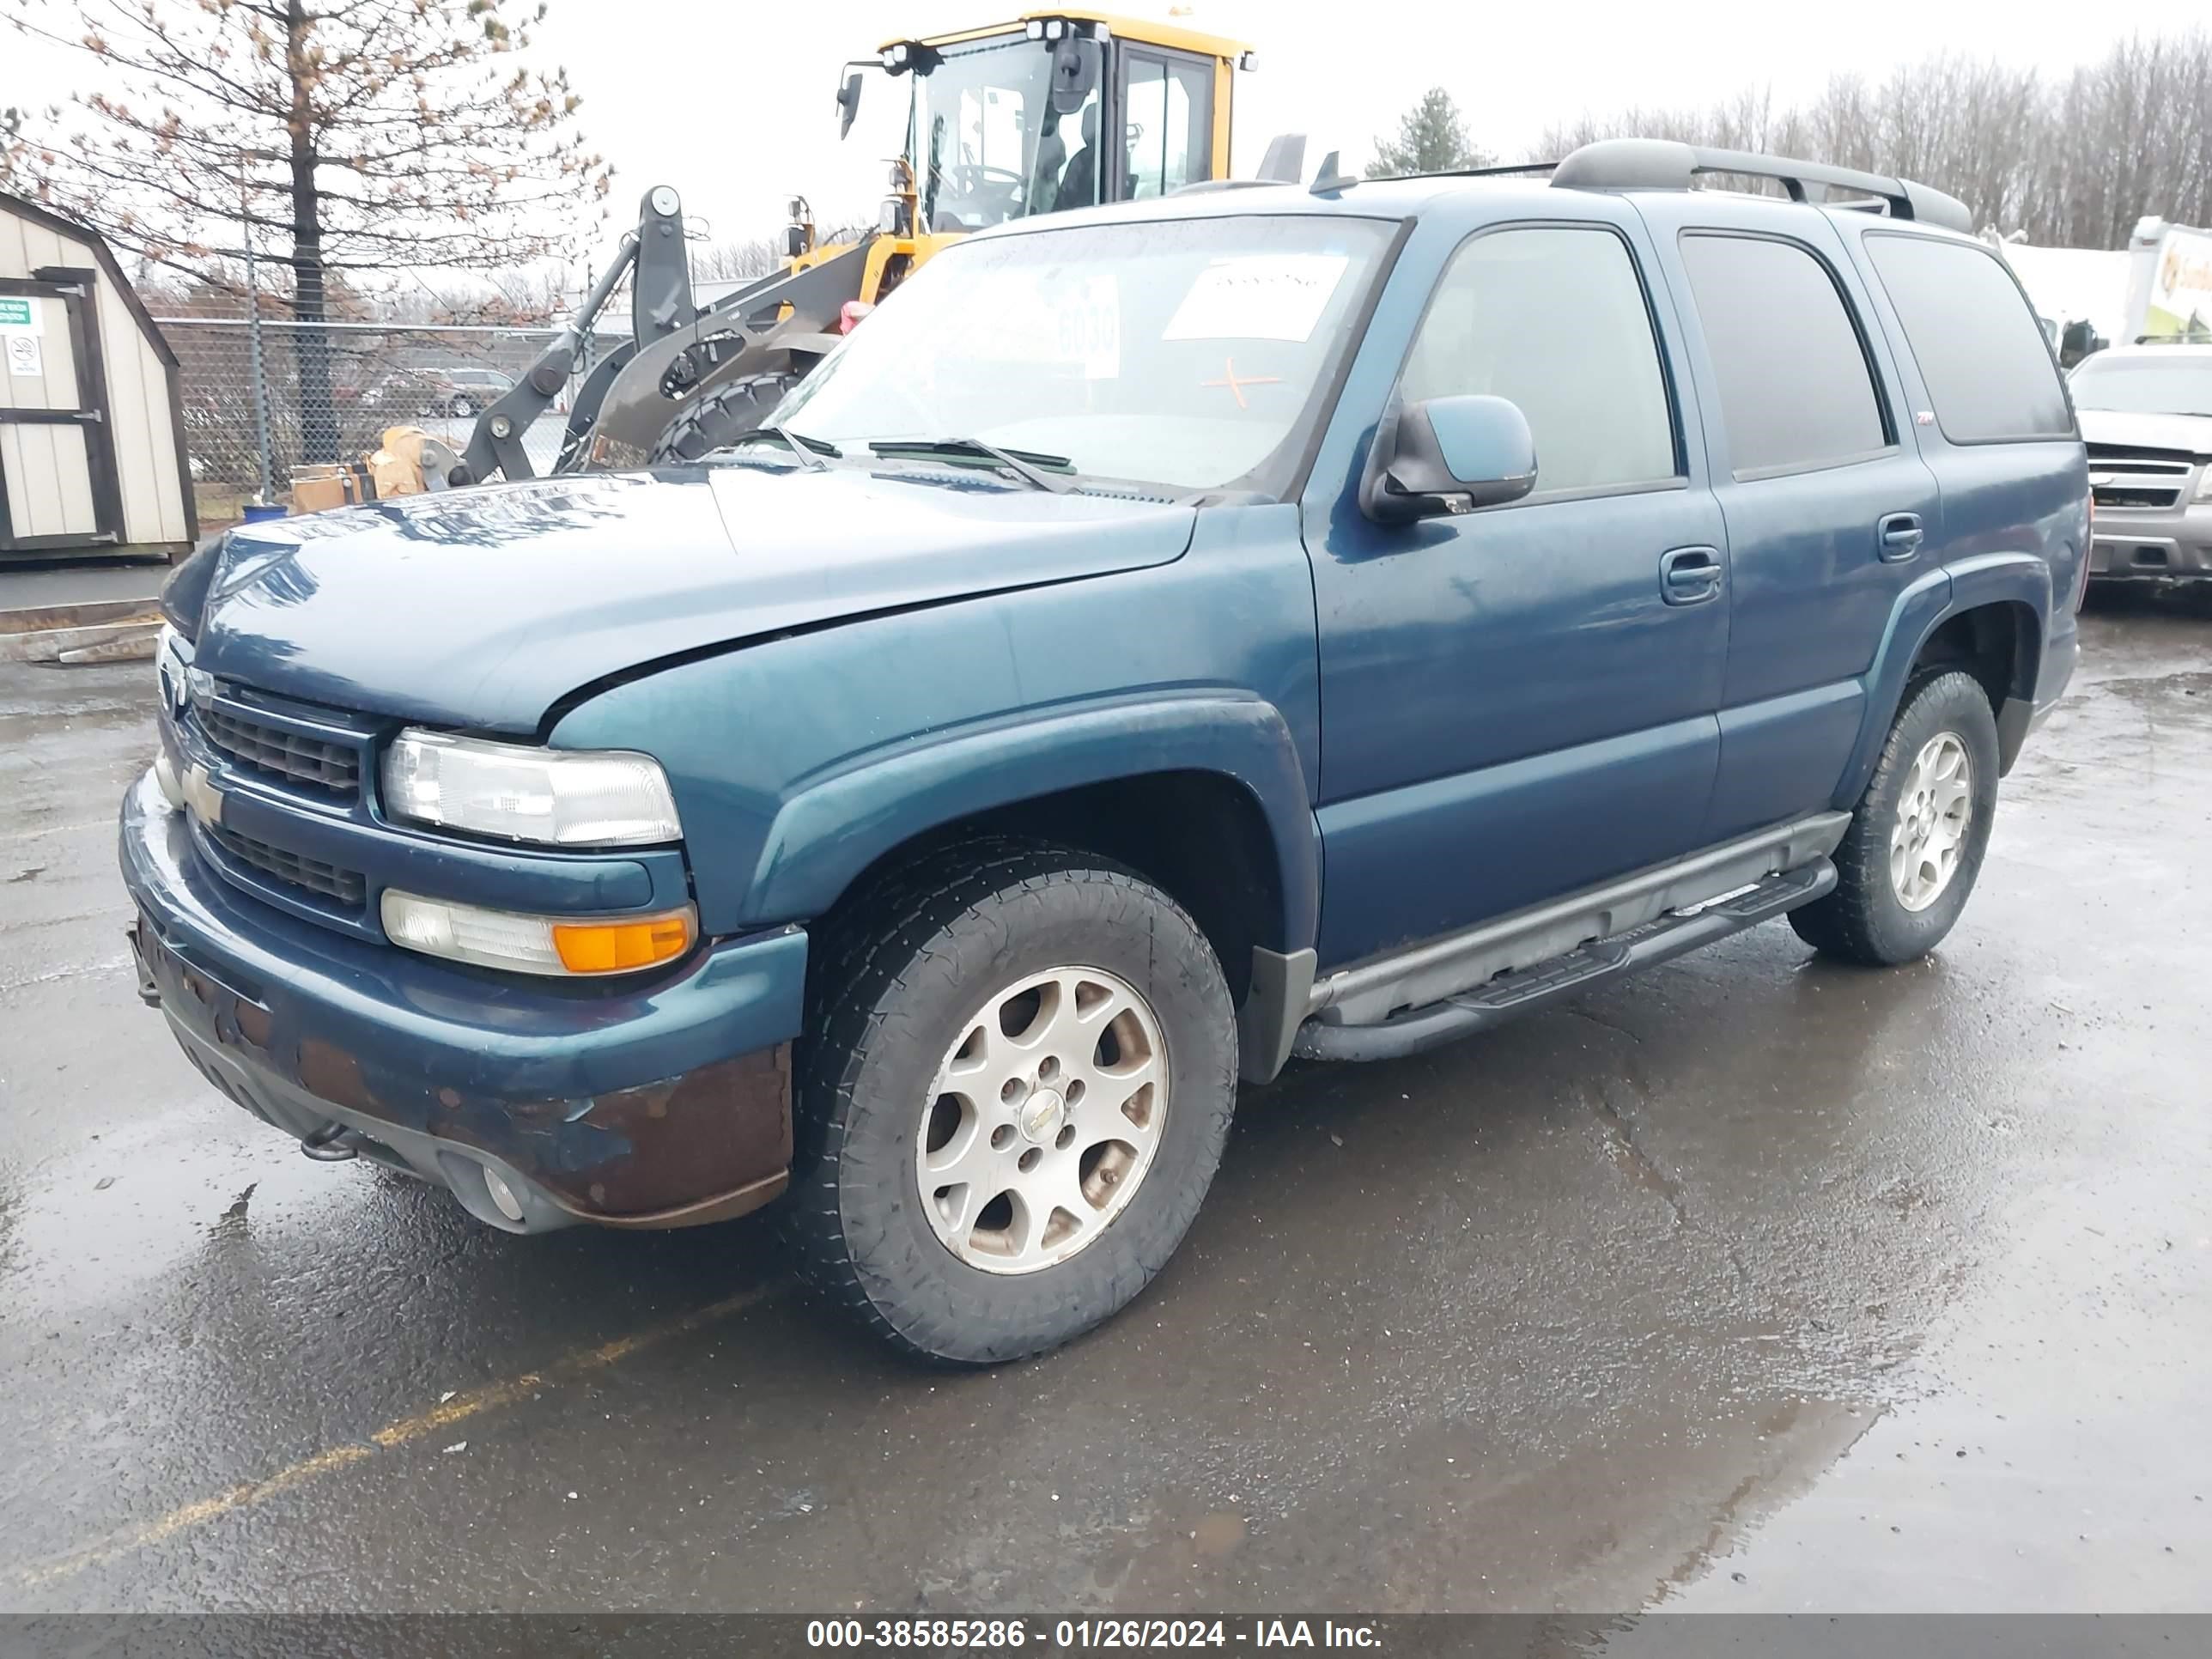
(1051, 111)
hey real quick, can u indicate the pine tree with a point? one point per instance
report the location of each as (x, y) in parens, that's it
(369, 136)
(1431, 138)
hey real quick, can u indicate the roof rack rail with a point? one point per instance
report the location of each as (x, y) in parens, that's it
(1664, 164)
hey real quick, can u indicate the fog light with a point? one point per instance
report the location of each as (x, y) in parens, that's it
(502, 1195)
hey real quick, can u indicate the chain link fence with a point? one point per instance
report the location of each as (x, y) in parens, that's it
(261, 398)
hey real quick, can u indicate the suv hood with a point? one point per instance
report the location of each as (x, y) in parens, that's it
(481, 608)
(2189, 433)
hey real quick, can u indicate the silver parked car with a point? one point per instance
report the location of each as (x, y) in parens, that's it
(2146, 413)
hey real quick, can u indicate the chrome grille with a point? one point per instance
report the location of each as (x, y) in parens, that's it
(334, 768)
(2137, 496)
(2139, 480)
(348, 887)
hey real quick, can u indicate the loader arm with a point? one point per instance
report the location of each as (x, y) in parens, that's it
(783, 323)
(654, 257)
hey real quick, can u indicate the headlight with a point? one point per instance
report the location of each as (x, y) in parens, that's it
(169, 669)
(556, 797)
(535, 944)
(2204, 482)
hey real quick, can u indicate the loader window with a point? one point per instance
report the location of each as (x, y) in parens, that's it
(1168, 125)
(1184, 354)
(991, 147)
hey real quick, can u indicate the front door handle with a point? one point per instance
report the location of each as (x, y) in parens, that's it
(1900, 535)
(1690, 575)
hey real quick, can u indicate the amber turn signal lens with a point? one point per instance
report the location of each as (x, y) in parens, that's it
(615, 947)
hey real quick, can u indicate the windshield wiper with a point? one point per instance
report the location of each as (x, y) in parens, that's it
(1022, 463)
(808, 450)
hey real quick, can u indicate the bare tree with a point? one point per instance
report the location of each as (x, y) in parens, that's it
(753, 256)
(2073, 162)
(347, 136)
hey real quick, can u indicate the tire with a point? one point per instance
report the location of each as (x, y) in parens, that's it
(464, 409)
(1871, 918)
(935, 950)
(717, 418)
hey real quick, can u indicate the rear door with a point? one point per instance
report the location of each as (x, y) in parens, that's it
(1517, 701)
(1831, 512)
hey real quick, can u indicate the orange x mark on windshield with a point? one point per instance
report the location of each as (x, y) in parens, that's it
(1235, 385)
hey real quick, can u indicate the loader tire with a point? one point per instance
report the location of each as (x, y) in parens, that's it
(719, 417)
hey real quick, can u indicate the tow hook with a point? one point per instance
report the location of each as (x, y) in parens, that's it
(332, 1144)
(149, 990)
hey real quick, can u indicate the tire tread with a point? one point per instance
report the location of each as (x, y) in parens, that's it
(857, 984)
(1845, 925)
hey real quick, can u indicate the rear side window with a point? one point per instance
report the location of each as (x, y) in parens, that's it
(1979, 347)
(1554, 318)
(1796, 391)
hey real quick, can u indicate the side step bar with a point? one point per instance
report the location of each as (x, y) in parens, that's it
(1674, 934)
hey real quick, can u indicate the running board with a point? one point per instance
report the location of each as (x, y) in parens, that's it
(1676, 933)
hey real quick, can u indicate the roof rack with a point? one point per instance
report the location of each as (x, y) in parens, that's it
(1663, 164)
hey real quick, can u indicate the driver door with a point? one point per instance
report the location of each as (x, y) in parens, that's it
(1520, 701)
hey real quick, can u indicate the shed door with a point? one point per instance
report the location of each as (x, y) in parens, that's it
(58, 483)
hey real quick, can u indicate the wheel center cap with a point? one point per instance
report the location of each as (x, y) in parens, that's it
(1041, 1116)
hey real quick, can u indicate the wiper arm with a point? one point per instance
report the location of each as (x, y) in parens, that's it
(1024, 464)
(808, 450)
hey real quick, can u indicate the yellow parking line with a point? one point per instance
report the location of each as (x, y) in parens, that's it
(459, 1408)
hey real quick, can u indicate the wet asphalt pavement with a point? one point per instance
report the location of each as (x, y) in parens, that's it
(1754, 1283)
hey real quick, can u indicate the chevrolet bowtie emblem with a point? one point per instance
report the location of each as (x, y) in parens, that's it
(201, 797)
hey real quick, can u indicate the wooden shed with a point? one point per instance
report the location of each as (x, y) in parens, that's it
(92, 431)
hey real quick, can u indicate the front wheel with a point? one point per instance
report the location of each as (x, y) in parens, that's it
(1908, 861)
(1022, 1080)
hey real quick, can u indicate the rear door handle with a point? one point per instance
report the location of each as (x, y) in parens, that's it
(1900, 534)
(1690, 575)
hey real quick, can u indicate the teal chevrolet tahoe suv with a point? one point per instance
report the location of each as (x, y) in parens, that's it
(1161, 641)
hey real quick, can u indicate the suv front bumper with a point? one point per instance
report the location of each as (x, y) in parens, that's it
(2152, 546)
(661, 1102)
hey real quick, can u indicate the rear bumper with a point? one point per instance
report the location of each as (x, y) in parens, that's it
(657, 1103)
(2152, 547)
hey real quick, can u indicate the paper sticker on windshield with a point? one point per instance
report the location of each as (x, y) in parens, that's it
(1090, 315)
(1261, 296)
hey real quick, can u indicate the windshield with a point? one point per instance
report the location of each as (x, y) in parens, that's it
(1183, 353)
(989, 145)
(2145, 385)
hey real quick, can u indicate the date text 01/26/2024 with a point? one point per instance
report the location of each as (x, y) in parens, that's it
(989, 1634)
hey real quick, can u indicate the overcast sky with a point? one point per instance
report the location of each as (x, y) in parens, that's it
(732, 103)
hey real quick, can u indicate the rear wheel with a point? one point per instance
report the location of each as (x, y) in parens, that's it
(1915, 845)
(1021, 1082)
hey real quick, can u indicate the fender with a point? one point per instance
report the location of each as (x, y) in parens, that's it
(1934, 598)
(833, 826)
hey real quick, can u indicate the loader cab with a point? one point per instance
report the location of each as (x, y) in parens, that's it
(1055, 110)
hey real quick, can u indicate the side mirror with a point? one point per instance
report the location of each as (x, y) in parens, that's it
(848, 103)
(1074, 74)
(1446, 455)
